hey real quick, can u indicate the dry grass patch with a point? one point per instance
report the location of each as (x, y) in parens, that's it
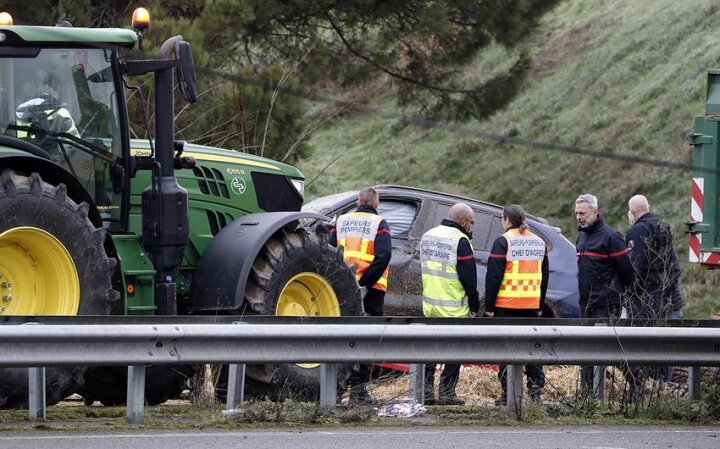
(479, 384)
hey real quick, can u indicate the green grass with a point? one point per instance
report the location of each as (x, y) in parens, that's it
(669, 411)
(609, 76)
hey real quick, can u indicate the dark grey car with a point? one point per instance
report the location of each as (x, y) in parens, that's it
(411, 211)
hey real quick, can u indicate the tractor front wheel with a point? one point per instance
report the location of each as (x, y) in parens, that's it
(298, 274)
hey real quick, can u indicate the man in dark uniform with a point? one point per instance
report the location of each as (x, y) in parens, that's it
(655, 294)
(657, 268)
(604, 270)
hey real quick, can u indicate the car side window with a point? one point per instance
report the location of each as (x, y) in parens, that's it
(496, 230)
(441, 213)
(481, 229)
(399, 215)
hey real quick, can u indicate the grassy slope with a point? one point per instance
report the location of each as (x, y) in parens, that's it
(612, 76)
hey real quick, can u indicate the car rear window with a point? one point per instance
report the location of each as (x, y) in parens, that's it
(399, 215)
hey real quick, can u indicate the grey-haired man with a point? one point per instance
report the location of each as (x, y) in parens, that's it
(604, 269)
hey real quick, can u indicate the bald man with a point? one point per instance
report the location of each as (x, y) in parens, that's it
(655, 294)
(449, 280)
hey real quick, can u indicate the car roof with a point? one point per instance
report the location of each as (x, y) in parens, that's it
(393, 188)
(332, 200)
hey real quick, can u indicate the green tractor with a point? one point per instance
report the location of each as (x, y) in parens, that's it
(94, 223)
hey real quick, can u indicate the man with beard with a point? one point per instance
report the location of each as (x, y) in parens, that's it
(604, 271)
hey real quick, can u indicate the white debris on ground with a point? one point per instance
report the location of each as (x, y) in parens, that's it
(402, 410)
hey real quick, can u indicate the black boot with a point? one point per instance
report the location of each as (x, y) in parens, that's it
(360, 396)
(535, 395)
(501, 400)
(450, 399)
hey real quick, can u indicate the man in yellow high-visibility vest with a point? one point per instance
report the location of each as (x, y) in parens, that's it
(45, 115)
(449, 280)
(44, 112)
(366, 242)
(515, 285)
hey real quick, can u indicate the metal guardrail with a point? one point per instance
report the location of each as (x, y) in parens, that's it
(139, 344)
(55, 345)
(357, 320)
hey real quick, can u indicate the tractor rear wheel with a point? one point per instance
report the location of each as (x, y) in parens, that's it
(108, 384)
(52, 262)
(299, 274)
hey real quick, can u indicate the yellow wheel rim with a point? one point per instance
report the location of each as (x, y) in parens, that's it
(307, 294)
(38, 274)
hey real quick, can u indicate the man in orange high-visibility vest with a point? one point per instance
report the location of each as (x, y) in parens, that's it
(515, 285)
(365, 239)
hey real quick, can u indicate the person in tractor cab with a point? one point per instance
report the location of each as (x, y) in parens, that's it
(44, 118)
(44, 113)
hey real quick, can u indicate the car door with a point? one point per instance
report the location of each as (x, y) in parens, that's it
(404, 282)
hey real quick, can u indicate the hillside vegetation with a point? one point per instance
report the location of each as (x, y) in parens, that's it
(611, 76)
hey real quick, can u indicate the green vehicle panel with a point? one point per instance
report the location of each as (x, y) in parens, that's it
(221, 189)
(124, 228)
(44, 36)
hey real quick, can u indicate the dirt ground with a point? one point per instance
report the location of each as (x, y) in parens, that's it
(479, 384)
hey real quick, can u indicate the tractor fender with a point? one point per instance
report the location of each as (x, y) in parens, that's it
(52, 174)
(221, 275)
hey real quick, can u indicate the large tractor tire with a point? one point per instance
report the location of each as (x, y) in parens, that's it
(298, 274)
(52, 262)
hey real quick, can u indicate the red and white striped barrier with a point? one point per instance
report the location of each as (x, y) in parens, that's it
(696, 214)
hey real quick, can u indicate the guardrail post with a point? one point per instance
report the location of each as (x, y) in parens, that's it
(236, 385)
(36, 393)
(694, 381)
(417, 382)
(514, 388)
(328, 387)
(599, 376)
(599, 382)
(136, 394)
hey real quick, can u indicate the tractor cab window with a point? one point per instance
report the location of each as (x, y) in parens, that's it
(65, 102)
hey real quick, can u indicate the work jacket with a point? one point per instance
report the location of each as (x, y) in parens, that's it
(449, 275)
(604, 267)
(365, 239)
(46, 113)
(517, 273)
(657, 269)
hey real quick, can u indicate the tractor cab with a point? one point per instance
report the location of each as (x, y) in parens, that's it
(62, 99)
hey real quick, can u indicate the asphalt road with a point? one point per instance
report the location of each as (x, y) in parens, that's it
(584, 437)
